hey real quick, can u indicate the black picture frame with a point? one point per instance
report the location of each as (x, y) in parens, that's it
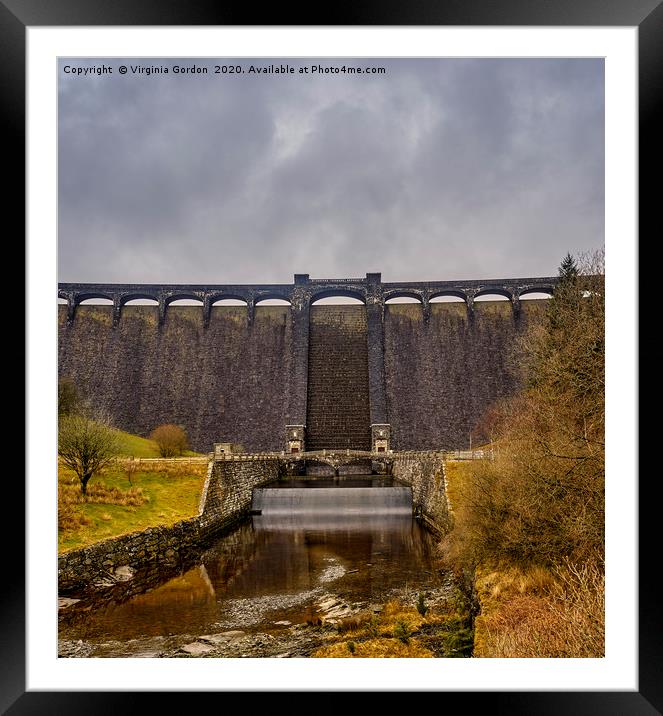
(17, 15)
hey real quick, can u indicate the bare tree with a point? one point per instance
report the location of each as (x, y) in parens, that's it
(171, 439)
(86, 443)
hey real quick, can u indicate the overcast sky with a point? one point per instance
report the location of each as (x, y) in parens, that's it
(436, 170)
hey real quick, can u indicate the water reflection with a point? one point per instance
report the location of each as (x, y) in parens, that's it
(271, 569)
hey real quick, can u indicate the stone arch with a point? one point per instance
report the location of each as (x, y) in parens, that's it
(396, 296)
(440, 296)
(175, 298)
(215, 298)
(484, 293)
(541, 292)
(263, 298)
(93, 296)
(338, 293)
(128, 299)
(320, 461)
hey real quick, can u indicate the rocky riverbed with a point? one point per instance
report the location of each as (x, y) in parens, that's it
(282, 638)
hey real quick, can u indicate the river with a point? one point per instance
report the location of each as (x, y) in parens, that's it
(319, 551)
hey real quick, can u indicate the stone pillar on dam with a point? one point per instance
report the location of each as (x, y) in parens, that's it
(375, 321)
(298, 384)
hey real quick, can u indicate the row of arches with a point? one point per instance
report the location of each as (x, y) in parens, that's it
(99, 300)
(450, 298)
(103, 301)
(300, 296)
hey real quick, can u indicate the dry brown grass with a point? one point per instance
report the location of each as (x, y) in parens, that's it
(69, 517)
(560, 614)
(180, 469)
(375, 649)
(132, 470)
(102, 494)
(510, 582)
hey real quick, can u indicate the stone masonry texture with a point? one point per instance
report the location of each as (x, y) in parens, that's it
(443, 373)
(225, 383)
(424, 471)
(241, 381)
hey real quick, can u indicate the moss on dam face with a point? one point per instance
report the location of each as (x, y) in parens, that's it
(232, 380)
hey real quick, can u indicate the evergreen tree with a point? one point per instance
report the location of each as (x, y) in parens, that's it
(568, 269)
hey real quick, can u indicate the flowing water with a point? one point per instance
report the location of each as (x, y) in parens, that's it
(316, 542)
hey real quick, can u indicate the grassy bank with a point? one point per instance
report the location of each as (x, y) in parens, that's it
(116, 506)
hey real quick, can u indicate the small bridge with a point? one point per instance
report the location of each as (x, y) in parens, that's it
(337, 458)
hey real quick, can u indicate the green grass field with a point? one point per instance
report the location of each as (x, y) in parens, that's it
(172, 493)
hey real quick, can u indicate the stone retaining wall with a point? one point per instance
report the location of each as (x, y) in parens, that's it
(95, 566)
(424, 471)
(229, 486)
(225, 501)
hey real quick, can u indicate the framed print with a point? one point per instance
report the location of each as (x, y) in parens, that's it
(617, 57)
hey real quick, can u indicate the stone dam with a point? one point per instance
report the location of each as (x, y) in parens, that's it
(302, 376)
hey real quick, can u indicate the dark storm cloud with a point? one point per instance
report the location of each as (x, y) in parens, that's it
(439, 169)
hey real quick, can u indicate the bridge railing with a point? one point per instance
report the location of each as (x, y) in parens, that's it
(153, 461)
(481, 454)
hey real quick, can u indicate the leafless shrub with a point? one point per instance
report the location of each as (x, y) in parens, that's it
(171, 439)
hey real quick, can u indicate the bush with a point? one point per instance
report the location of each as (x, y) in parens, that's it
(402, 631)
(171, 439)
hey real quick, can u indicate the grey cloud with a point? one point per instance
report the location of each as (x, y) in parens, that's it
(440, 169)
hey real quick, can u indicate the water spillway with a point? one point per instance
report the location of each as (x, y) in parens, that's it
(333, 498)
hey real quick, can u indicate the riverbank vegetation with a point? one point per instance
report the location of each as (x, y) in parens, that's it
(400, 630)
(530, 522)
